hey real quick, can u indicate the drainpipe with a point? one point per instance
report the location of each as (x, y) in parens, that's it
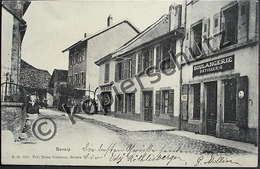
(182, 40)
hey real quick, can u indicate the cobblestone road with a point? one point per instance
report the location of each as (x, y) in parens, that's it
(162, 138)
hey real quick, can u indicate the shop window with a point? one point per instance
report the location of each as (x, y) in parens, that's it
(106, 74)
(119, 102)
(196, 101)
(230, 25)
(196, 39)
(230, 100)
(130, 103)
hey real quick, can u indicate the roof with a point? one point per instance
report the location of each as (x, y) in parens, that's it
(102, 31)
(32, 77)
(154, 31)
(58, 75)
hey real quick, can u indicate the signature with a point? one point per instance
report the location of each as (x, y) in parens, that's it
(214, 160)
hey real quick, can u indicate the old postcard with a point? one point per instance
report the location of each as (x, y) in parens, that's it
(130, 83)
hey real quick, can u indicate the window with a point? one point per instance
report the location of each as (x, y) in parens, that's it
(216, 23)
(119, 71)
(82, 78)
(164, 102)
(230, 100)
(230, 27)
(119, 103)
(168, 55)
(196, 39)
(75, 80)
(106, 77)
(145, 59)
(130, 103)
(196, 101)
(70, 60)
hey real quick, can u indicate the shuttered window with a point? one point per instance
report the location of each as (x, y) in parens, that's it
(164, 102)
(130, 103)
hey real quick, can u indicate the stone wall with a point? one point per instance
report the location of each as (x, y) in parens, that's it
(13, 117)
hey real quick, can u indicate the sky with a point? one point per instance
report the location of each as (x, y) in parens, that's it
(52, 26)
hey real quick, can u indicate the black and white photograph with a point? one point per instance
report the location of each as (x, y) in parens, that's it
(151, 83)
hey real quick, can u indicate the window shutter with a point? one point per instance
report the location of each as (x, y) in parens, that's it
(217, 34)
(184, 101)
(126, 102)
(139, 62)
(123, 69)
(205, 33)
(133, 103)
(187, 42)
(133, 65)
(158, 57)
(127, 68)
(116, 72)
(243, 18)
(171, 102)
(242, 102)
(116, 103)
(158, 102)
(151, 58)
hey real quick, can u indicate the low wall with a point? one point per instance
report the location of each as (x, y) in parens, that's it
(13, 117)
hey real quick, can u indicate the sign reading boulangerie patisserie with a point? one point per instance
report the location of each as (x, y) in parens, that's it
(213, 66)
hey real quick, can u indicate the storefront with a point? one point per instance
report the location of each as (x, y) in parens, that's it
(219, 96)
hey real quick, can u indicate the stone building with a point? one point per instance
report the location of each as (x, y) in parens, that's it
(13, 31)
(220, 82)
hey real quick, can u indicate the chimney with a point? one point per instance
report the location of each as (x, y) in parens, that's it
(109, 20)
(175, 12)
(85, 35)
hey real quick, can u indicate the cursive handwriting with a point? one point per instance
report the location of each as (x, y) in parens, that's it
(214, 160)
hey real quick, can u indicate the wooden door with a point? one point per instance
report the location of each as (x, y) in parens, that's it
(211, 107)
(148, 105)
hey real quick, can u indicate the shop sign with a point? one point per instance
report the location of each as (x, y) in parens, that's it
(105, 88)
(219, 65)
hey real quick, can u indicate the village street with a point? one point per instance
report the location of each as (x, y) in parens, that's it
(92, 142)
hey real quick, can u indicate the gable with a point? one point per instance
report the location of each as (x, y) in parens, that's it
(155, 31)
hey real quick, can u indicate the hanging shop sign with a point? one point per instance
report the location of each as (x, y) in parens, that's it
(105, 88)
(219, 65)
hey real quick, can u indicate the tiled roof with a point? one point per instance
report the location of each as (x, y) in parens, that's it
(32, 77)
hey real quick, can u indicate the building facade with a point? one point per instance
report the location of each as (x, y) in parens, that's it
(82, 72)
(58, 85)
(13, 31)
(140, 80)
(219, 94)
